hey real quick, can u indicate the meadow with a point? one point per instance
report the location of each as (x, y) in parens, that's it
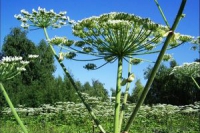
(111, 37)
(69, 117)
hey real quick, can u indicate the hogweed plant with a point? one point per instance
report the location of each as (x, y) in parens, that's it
(111, 37)
(191, 70)
(9, 68)
(119, 36)
(43, 19)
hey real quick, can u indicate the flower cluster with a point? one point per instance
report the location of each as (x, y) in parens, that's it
(167, 57)
(187, 70)
(60, 41)
(114, 35)
(119, 33)
(90, 66)
(122, 35)
(11, 59)
(12, 66)
(136, 61)
(104, 109)
(196, 40)
(126, 33)
(68, 55)
(33, 56)
(42, 18)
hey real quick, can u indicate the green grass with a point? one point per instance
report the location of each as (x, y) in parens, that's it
(69, 117)
(61, 123)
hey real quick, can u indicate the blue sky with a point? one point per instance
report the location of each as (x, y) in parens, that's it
(78, 10)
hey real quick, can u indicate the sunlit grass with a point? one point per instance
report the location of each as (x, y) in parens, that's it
(68, 117)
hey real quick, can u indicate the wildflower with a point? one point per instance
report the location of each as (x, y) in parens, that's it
(34, 12)
(24, 12)
(167, 57)
(10, 66)
(136, 61)
(102, 33)
(63, 13)
(60, 41)
(109, 58)
(90, 66)
(21, 69)
(24, 25)
(24, 62)
(33, 56)
(18, 17)
(187, 70)
(87, 49)
(70, 55)
(11, 59)
(42, 18)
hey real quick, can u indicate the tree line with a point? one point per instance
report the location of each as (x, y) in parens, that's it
(37, 85)
(167, 88)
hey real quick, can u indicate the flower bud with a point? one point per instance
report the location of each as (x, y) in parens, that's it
(87, 49)
(70, 55)
(167, 57)
(80, 43)
(18, 17)
(136, 61)
(90, 66)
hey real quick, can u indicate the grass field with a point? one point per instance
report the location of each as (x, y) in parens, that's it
(73, 118)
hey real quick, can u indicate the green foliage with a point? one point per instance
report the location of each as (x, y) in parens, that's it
(168, 89)
(137, 90)
(69, 117)
(38, 85)
(17, 44)
(71, 94)
(97, 89)
(115, 35)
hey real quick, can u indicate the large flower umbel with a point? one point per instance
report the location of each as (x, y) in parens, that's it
(187, 70)
(121, 35)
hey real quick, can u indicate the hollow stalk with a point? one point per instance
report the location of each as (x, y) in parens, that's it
(118, 95)
(12, 108)
(125, 96)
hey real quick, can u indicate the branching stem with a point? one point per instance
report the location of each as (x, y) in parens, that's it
(195, 82)
(162, 13)
(125, 96)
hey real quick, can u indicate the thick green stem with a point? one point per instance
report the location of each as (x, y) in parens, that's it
(125, 97)
(13, 109)
(195, 82)
(156, 66)
(118, 96)
(162, 13)
(75, 87)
